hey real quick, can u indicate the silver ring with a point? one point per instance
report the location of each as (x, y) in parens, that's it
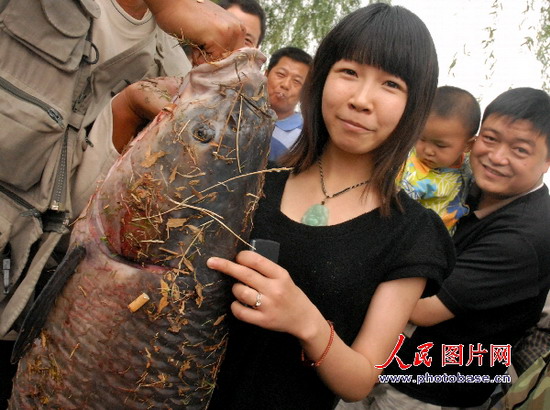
(258, 300)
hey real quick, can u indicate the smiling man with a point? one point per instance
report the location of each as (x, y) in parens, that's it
(502, 274)
(286, 73)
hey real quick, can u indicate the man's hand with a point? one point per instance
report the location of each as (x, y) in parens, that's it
(138, 104)
(213, 31)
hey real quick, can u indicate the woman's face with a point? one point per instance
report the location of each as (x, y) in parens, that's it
(361, 106)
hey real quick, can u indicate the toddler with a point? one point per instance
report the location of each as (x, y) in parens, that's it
(437, 172)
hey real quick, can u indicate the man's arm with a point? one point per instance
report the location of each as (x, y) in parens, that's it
(430, 311)
(138, 104)
(216, 31)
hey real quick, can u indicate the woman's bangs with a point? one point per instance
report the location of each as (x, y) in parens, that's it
(381, 47)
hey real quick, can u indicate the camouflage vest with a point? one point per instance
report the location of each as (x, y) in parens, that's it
(532, 390)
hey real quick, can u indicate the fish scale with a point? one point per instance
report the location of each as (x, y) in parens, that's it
(185, 190)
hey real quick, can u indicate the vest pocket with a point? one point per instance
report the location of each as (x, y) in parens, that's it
(55, 30)
(30, 129)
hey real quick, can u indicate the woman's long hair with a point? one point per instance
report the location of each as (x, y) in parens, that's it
(390, 38)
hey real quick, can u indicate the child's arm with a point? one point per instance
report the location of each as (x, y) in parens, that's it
(409, 181)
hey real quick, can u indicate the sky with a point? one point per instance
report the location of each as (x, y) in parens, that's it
(459, 28)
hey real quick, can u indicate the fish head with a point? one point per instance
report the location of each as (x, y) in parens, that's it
(194, 175)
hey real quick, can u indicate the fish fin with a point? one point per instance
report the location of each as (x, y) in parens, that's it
(37, 314)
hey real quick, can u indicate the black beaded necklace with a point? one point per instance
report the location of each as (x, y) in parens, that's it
(317, 214)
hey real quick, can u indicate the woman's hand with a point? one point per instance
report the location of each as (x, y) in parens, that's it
(348, 371)
(267, 296)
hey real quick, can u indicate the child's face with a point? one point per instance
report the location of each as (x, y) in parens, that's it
(361, 106)
(509, 157)
(442, 142)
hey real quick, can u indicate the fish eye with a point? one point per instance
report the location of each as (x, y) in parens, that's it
(203, 133)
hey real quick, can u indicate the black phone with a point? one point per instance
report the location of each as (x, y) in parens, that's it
(267, 248)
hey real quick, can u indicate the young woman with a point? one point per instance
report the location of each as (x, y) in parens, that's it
(355, 254)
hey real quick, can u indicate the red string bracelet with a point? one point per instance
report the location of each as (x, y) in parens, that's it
(311, 363)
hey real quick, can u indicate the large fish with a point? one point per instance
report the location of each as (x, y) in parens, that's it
(185, 190)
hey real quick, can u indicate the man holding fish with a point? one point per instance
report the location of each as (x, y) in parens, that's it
(57, 78)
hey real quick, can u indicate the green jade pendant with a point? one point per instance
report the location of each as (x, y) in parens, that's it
(316, 215)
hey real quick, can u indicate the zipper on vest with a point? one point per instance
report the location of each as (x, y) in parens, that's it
(31, 210)
(58, 196)
(22, 95)
(59, 188)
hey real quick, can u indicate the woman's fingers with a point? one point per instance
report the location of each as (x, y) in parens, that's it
(260, 264)
(266, 295)
(248, 296)
(250, 268)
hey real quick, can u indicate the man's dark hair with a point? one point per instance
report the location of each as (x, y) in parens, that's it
(524, 103)
(250, 7)
(294, 53)
(454, 102)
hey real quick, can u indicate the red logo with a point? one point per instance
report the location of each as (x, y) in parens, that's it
(451, 355)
